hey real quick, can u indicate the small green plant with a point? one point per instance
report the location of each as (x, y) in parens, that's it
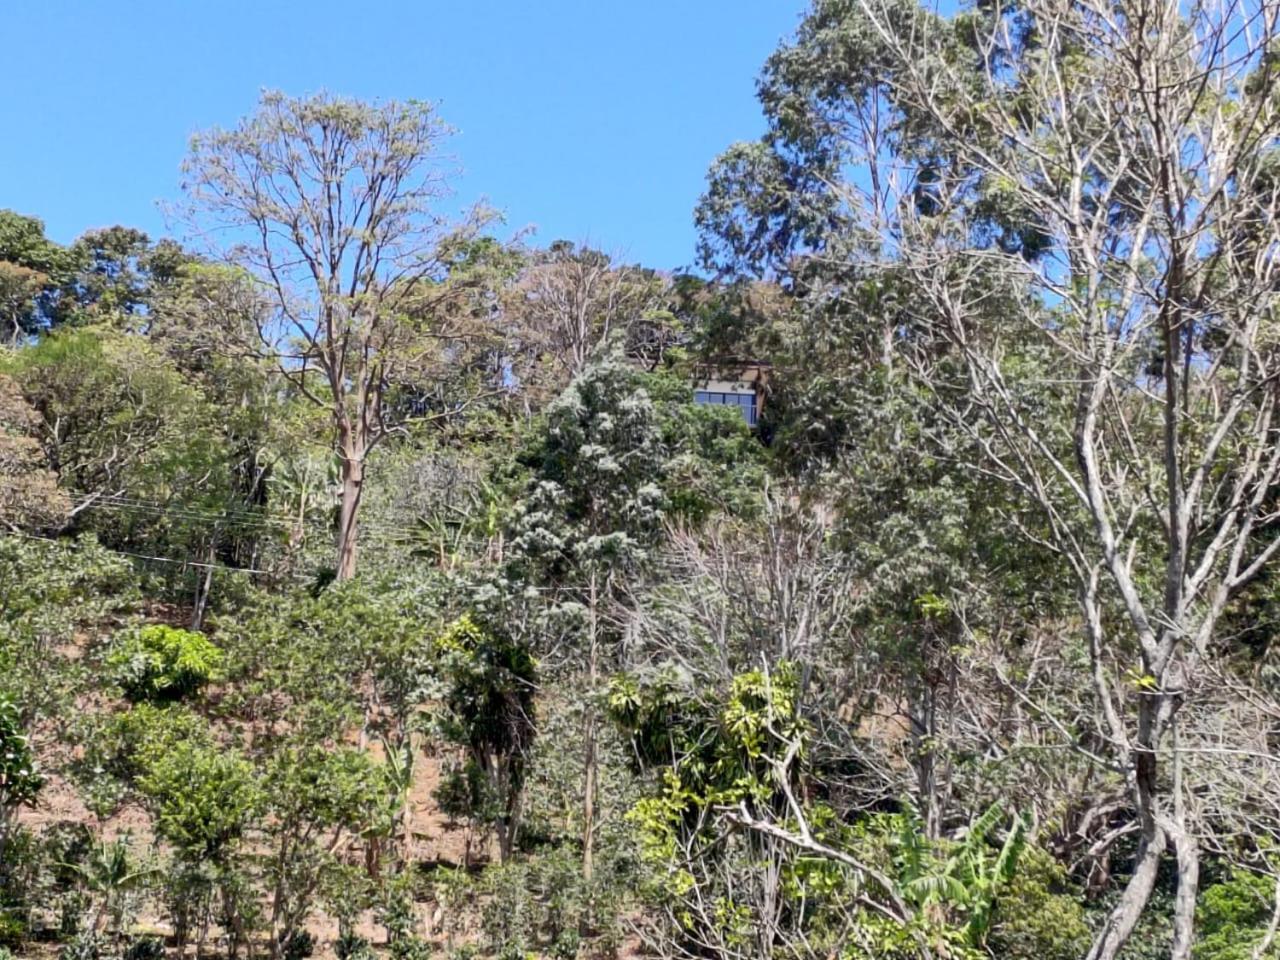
(351, 946)
(144, 948)
(398, 915)
(111, 876)
(297, 945)
(13, 930)
(20, 781)
(83, 946)
(159, 662)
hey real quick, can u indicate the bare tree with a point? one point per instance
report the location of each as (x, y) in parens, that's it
(570, 299)
(334, 206)
(1134, 142)
(29, 493)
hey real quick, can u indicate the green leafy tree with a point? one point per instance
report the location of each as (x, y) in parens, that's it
(487, 686)
(593, 510)
(20, 780)
(163, 662)
(204, 798)
(318, 799)
(30, 499)
(335, 203)
(31, 269)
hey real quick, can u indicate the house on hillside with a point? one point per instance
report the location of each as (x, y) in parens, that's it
(733, 383)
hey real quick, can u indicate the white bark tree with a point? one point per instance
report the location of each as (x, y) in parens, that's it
(1137, 140)
(336, 207)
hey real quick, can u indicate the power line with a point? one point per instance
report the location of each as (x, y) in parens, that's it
(243, 518)
(142, 556)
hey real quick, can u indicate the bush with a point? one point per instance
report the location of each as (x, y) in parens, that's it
(13, 930)
(1038, 915)
(297, 945)
(83, 946)
(351, 946)
(144, 948)
(117, 747)
(1232, 917)
(119, 744)
(159, 662)
(19, 779)
(203, 798)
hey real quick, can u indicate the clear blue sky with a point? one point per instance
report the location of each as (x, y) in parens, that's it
(589, 120)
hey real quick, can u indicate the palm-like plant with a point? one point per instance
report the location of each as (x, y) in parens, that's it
(110, 874)
(967, 878)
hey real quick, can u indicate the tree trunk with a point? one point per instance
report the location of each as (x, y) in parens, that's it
(589, 758)
(351, 451)
(204, 585)
(1128, 910)
(1188, 854)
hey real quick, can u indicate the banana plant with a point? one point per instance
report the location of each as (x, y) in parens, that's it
(110, 875)
(968, 878)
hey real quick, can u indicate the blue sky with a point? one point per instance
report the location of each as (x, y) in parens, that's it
(588, 120)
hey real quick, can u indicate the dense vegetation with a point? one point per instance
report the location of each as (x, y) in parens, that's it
(371, 586)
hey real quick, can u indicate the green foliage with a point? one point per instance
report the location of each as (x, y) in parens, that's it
(48, 593)
(292, 658)
(85, 945)
(720, 756)
(20, 781)
(31, 269)
(124, 415)
(487, 681)
(964, 878)
(144, 948)
(1038, 914)
(204, 797)
(297, 945)
(111, 875)
(1233, 917)
(595, 501)
(160, 662)
(115, 747)
(869, 597)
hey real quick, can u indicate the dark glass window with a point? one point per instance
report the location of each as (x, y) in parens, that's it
(746, 402)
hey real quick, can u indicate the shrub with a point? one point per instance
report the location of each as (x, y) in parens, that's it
(1232, 917)
(20, 781)
(119, 744)
(159, 662)
(351, 946)
(1039, 914)
(83, 946)
(117, 747)
(144, 948)
(297, 945)
(13, 930)
(203, 798)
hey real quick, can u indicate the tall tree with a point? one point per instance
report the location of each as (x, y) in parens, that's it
(568, 301)
(31, 268)
(1079, 200)
(336, 208)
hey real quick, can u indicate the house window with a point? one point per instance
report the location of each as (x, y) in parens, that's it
(746, 402)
